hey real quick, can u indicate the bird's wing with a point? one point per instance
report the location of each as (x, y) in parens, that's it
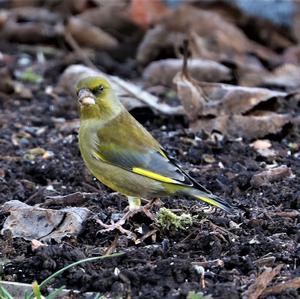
(140, 153)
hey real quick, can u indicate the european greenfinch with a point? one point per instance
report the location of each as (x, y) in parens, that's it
(124, 156)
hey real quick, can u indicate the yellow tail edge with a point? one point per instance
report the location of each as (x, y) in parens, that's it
(217, 202)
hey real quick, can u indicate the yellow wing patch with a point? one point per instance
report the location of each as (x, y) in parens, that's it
(153, 175)
(99, 157)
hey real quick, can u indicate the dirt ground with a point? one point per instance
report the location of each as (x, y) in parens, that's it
(159, 267)
(232, 249)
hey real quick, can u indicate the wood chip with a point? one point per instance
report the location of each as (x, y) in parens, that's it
(269, 176)
(278, 288)
(261, 282)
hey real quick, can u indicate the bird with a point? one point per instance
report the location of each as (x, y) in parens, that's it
(124, 156)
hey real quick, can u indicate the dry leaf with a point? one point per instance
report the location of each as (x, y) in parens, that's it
(31, 223)
(90, 36)
(229, 99)
(110, 16)
(130, 95)
(164, 71)
(261, 282)
(286, 76)
(221, 107)
(249, 126)
(153, 42)
(31, 25)
(223, 98)
(212, 36)
(190, 94)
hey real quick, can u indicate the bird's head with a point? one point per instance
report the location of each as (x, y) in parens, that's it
(96, 97)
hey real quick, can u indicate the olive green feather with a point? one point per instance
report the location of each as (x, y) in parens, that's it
(123, 155)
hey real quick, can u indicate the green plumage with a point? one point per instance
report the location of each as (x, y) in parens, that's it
(123, 155)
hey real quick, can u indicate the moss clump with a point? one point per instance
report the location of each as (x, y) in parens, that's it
(166, 219)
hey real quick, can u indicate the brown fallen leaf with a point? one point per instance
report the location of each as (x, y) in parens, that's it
(164, 71)
(292, 55)
(229, 99)
(249, 126)
(130, 95)
(111, 16)
(189, 93)
(286, 76)
(249, 70)
(261, 282)
(268, 176)
(222, 107)
(90, 36)
(267, 32)
(37, 25)
(212, 36)
(31, 223)
(278, 288)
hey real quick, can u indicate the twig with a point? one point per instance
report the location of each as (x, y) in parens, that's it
(67, 200)
(113, 246)
(285, 214)
(144, 237)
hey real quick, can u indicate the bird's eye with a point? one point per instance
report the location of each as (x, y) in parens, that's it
(98, 90)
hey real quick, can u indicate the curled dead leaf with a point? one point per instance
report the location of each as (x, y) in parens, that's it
(163, 71)
(43, 224)
(88, 35)
(190, 94)
(226, 99)
(286, 76)
(227, 108)
(212, 36)
(38, 26)
(248, 126)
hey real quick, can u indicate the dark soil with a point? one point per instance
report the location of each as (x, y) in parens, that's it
(161, 266)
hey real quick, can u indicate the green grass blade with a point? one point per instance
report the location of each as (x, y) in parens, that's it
(55, 293)
(36, 290)
(90, 259)
(4, 294)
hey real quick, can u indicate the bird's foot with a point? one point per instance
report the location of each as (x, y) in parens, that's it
(133, 209)
(118, 226)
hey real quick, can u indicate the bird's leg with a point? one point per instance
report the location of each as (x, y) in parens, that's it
(117, 225)
(134, 208)
(134, 203)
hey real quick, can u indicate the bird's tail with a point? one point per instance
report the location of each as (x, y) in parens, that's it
(210, 199)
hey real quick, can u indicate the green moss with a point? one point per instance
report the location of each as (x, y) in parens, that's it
(166, 219)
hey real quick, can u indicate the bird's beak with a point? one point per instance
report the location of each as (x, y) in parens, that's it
(85, 97)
